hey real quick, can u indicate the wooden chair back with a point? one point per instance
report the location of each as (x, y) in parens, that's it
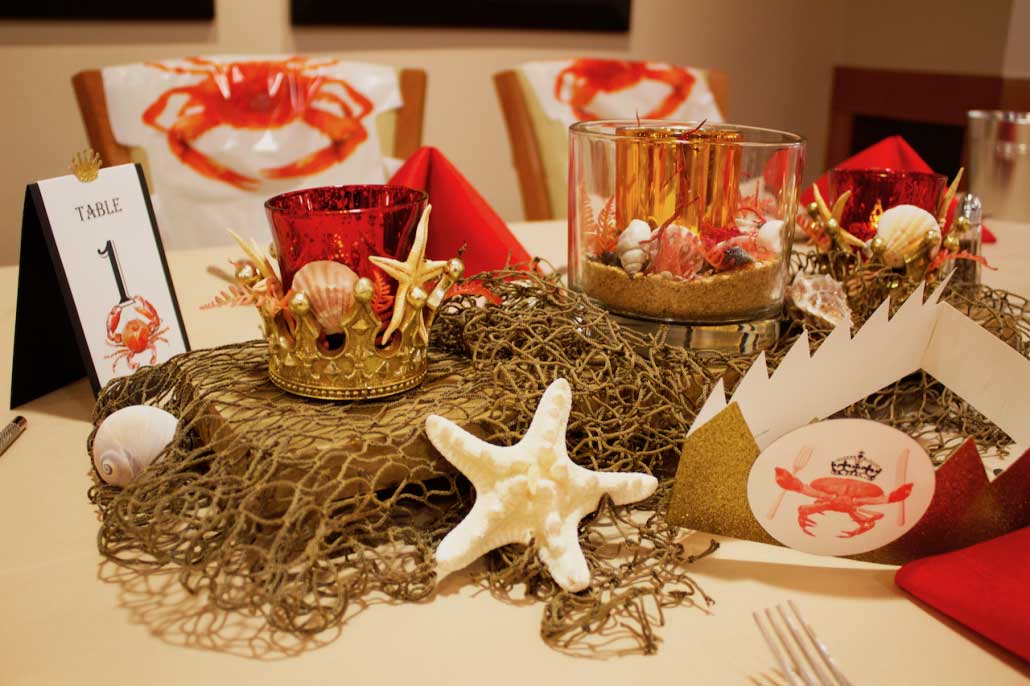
(539, 145)
(401, 127)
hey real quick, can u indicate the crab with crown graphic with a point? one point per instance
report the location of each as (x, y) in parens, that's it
(850, 491)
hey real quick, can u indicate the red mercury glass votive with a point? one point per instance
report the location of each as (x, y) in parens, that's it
(876, 190)
(346, 224)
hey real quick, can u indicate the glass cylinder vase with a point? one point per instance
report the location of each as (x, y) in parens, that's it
(688, 226)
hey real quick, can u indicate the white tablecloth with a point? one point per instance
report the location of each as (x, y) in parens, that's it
(69, 617)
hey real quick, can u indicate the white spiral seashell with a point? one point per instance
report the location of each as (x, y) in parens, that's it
(129, 440)
(630, 250)
(770, 236)
(330, 289)
(905, 230)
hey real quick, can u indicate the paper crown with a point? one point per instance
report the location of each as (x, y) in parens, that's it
(727, 436)
(710, 495)
(347, 353)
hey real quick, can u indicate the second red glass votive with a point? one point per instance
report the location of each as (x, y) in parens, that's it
(876, 190)
(346, 224)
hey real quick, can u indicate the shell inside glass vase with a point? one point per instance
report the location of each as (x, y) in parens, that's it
(684, 224)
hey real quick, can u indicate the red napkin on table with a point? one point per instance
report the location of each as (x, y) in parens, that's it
(985, 586)
(460, 215)
(890, 153)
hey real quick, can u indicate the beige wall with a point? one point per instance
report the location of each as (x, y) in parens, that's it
(953, 36)
(1017, 46)
(778, 56)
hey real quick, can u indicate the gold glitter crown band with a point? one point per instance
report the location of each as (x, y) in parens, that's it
(337, 353)
(710, 494)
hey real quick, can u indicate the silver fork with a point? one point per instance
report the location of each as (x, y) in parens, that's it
(800, 654)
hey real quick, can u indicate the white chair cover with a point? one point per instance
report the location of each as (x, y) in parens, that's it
(223, 134)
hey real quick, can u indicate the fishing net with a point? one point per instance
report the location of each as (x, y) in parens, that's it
(296, 510)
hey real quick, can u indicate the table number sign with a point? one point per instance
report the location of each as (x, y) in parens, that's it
(94, 293)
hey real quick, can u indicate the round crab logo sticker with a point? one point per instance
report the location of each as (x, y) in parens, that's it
(840, 487)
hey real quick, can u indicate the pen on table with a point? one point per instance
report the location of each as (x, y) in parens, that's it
(9, 434)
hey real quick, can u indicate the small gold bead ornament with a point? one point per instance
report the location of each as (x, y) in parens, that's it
(299, 304)
(247, 273)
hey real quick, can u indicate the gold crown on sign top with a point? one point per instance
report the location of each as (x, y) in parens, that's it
(86, 165)
(359, 363)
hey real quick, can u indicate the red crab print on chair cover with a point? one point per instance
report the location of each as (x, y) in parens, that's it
(261, 95)
(582, 89)
(582, 81)
(222, 134)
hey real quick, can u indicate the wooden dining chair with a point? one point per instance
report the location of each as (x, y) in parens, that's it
(540, 147)
(402, 127)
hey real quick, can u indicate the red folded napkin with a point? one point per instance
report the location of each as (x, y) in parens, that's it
(890, 153)
(460, 215)
(985, 586)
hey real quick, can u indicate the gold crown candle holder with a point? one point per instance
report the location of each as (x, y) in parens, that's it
(348, 319)
(358, 367)
(897, 218)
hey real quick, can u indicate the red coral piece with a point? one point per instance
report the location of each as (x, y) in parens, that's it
(712, 235)
(943, 256)
(382, 298)
(607, 233)
(473, 288)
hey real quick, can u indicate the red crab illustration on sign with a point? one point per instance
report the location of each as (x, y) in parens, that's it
(260, 95)
(137, 336)
(849, 491)
(579, 83)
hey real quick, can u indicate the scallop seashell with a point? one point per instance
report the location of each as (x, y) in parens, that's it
(630, 249)
(330, 289)
(820, 299)
(907, 231)
(770, 236)
(128, 440)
